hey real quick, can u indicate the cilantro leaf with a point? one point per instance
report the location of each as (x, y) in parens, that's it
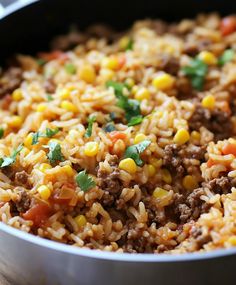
(135, 121)
(134, 151)
(130, 45)
(131, 106)
(54, 153)
(48, 134)
(84, 181)
(88, 132)
(40, 61)
(7, 161)
(70, 68)
(1, 132)
(227, 56)
(49, 97)
(196, 71)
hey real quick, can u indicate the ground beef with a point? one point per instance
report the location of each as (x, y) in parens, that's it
(10, 80)
(199, 238)
(169, 64)
(176, 158)
(216, 121)
(192, 48)
(220, 185)
(23, 202)
(50, 86)
(22, 178)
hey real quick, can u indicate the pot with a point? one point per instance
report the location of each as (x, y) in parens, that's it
(27, 26)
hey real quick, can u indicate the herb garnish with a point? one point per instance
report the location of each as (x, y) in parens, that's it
(110, 128)
(7, 161)
(70, 68)
(227, 56)
(134, 151)
(196, 71)
(131, 106)
(49, 97)
(84, 181)
(54, 153)
(88, 132)
(1, 132)
(48, 134)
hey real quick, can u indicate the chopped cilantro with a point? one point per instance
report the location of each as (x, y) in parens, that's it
(7, 161)
(84, 181)
(135, 120)
(134, 151)
(54, 153)
(1, 132)
(40, 61)
(49, 97)
(88, 132)
(227, 56)
(131, 106)
(48, 134)
(70, 68)
(196, 71)
(130, 45)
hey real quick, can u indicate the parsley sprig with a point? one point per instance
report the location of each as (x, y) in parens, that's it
(1, 133)
(9, 160)
(132, 107)
(84, 181)
(227, 56)
(196, 71)
(134, 151)
(48, 134)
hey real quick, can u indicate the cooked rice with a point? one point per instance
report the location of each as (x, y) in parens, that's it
(124, 211)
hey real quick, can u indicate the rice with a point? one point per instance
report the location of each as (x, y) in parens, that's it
(121, 143)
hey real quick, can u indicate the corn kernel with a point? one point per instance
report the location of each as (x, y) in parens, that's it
(207, 57)
(91, 149)
(87, 73)
(68, 170)
(41, 107)
(141, 94)
(163, 81)
(110, 63)
(107, 74)
(44, 192)
(17, 95)
(189, 182)
(68, 106)
(208, 102)
(134, 90)
(28, 141)
(139, 138)
(159, 193)
(166, 176)
(64, 94)
(232, 240)
(151, 170)
(181, 137)
(155, 162)
(130, 82)
(15, 121)
(124, 42)
(44, 166)
(128, 165)
(80, 221)
(195, 136)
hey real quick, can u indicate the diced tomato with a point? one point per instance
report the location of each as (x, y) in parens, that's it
(210, 163)
(122, 61)
(39, 214)
(65, 195)
(56, 54)
(228, 25)
(114, 136)
(229, 149)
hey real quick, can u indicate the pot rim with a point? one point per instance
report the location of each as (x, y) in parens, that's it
(114, 256)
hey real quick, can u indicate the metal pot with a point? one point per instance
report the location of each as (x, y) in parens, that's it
(26, 259)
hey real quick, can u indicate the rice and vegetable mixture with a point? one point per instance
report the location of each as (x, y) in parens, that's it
(124, 142)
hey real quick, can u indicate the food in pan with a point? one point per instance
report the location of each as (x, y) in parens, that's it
(124, 142)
